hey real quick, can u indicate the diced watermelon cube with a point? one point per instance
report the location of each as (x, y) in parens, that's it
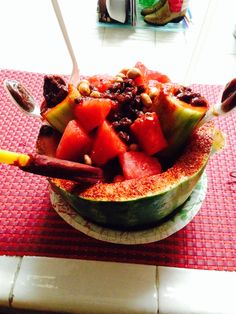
(74, 143)
(91, 112)
(138, 164)
(107, 145)
(101, 81)
(148, 133)
(152, 74)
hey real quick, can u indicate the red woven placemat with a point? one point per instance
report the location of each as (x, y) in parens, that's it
(29, 225)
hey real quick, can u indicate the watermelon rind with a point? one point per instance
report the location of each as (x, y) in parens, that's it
(138, 203)
(163, 229)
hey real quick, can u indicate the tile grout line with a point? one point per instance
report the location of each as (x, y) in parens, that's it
(11, 293)
(157, 282)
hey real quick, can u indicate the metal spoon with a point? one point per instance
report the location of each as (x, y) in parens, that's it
(22, 98)
(74, 78)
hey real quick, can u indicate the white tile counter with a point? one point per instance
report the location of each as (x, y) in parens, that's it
(78, 286)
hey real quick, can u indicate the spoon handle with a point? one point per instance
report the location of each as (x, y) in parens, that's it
(227, 104)
(75, 72)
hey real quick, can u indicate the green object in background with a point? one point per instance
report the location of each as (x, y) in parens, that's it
(147, 3)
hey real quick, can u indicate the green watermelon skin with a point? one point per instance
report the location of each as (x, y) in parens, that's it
(131, 214)
(138, 203)
(178, 121)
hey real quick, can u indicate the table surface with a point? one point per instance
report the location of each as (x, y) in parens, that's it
(36, 47)
(204, 54)
(30, 227)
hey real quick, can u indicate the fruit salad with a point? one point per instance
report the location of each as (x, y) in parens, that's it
(131, 125)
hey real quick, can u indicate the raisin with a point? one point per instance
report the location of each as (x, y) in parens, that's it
(54, 90)
(124, 98)
(46, 130)
(127, 95)
(77, 101)
(123, 124)
(187, 95)
(199, 102)
(138, 104)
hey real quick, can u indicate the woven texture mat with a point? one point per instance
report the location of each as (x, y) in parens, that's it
(29, 225)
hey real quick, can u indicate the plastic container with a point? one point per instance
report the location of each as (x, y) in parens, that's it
(147, 3)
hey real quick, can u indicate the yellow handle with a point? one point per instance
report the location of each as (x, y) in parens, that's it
(12, 158)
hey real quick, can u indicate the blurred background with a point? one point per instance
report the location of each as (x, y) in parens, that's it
(203, 52)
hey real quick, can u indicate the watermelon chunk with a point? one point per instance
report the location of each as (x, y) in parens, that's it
(148, 133)
(74, 143)
(138, 165)
(91, 112)
(151, 74)
(101, 81)
(107, 145)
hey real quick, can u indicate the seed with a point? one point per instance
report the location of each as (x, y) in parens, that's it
(133, 73)
(95, 94)
(146, 100)
(87, 160)
(84, 88)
